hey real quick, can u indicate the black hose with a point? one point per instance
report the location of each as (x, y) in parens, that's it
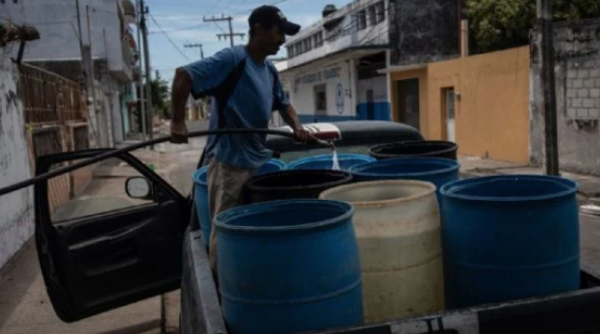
(115, 152)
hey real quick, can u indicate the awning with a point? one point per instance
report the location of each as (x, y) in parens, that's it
(402, 68)
(358, 51)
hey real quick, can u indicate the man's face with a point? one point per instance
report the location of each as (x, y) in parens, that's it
(270, 40)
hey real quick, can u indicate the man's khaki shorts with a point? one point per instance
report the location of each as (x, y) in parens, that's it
(225, 184)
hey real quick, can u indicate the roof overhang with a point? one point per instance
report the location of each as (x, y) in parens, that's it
(355, 52)
(403, 68)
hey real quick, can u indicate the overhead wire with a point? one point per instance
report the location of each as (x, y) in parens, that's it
(169, 38)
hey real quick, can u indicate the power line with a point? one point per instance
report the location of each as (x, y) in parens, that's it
(194, 27)
(169, 38)
(196, 45)
(231, 34)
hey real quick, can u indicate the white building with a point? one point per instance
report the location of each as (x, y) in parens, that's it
(59, 51)
(331, 73)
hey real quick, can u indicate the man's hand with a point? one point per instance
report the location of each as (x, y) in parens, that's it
(179, 132)
(301, 134)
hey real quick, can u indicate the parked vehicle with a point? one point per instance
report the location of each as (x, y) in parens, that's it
(100, 262)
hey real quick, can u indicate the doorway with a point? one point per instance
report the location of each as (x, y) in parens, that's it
(370, 105)
(408, 102)
(448, 114)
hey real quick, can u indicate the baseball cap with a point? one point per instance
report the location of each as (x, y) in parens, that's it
(268, 15)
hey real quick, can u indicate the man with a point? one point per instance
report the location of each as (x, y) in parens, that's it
(246, 89)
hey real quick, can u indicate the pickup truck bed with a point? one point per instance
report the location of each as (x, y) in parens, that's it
(573, 313)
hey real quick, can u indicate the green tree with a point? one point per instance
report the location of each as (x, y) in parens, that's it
(160, 96)
(501, 24)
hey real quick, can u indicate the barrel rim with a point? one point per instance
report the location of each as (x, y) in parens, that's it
(278, 163)
(257, 208)
(251, 183)
(453, 165)
(451, 146)
(446, 190)
(430, 190)
(321, 157)
(196, 176)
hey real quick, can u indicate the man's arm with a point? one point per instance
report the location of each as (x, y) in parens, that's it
(180, 92)
(290, 117)
(196, 78)
(287, 112)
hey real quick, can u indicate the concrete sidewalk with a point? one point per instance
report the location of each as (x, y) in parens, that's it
(589, 186)
(25, 307)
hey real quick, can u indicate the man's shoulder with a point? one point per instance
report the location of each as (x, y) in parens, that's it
(233, 55)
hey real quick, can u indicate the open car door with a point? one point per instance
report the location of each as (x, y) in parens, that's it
(102, 260)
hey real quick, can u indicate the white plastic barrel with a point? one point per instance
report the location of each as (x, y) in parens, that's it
(397, 225)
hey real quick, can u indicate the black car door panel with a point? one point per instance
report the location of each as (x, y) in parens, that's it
(96, 263)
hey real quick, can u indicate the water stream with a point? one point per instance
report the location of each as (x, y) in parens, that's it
(336, 162)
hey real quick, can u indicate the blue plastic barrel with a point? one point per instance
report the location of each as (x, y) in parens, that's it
(325, 161)
(201, 194)
(289, 267)
(201, 202)
(273, 165)
(509, 237)
(438, 171)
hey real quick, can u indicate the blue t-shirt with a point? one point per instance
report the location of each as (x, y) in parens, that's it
(257, 94)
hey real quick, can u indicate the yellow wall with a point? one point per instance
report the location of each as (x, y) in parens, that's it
(492, 114)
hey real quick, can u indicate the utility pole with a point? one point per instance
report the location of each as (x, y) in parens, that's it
(544, 16)
(85, 64)
(196, 45)
(141, 78)
(143, 12)
(231, 34)
(89, 64)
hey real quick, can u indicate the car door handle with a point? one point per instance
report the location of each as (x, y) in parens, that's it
(107, 239)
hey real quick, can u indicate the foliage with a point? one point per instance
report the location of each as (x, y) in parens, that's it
(160, 96)
(501, 24)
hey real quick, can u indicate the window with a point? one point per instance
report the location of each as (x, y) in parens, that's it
(362, 19)
(88, 191)
(320, 99)
(380, 11)
(320, 38)
(308, 44)
(290, 51)
(372, 15)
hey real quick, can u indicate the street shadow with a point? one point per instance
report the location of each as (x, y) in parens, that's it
(16, 279)
(136, 329)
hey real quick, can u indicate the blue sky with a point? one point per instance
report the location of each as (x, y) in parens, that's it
(182, 21)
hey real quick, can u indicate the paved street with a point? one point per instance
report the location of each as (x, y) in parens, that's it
(24, 304)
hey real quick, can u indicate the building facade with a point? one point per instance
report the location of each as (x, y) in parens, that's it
(577, 70)
(339, 67)
(331, 71)
(480, 102)
(17, 219)
(108, 35)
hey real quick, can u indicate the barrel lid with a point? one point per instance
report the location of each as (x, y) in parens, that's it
(447, 165)
(429, 189)
(503, 188)
(224, 220)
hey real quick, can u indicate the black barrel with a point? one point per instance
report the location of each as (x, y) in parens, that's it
(426, 148)
(292, 184)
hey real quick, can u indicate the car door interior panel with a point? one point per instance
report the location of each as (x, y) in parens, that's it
(99, 262)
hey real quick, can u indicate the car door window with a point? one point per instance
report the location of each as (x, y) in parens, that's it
(107, 235)
(96, 189)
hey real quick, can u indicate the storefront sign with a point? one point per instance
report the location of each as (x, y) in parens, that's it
(326, 74)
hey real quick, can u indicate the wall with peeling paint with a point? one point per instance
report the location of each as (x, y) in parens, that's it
(16, 220)
(577, 69)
